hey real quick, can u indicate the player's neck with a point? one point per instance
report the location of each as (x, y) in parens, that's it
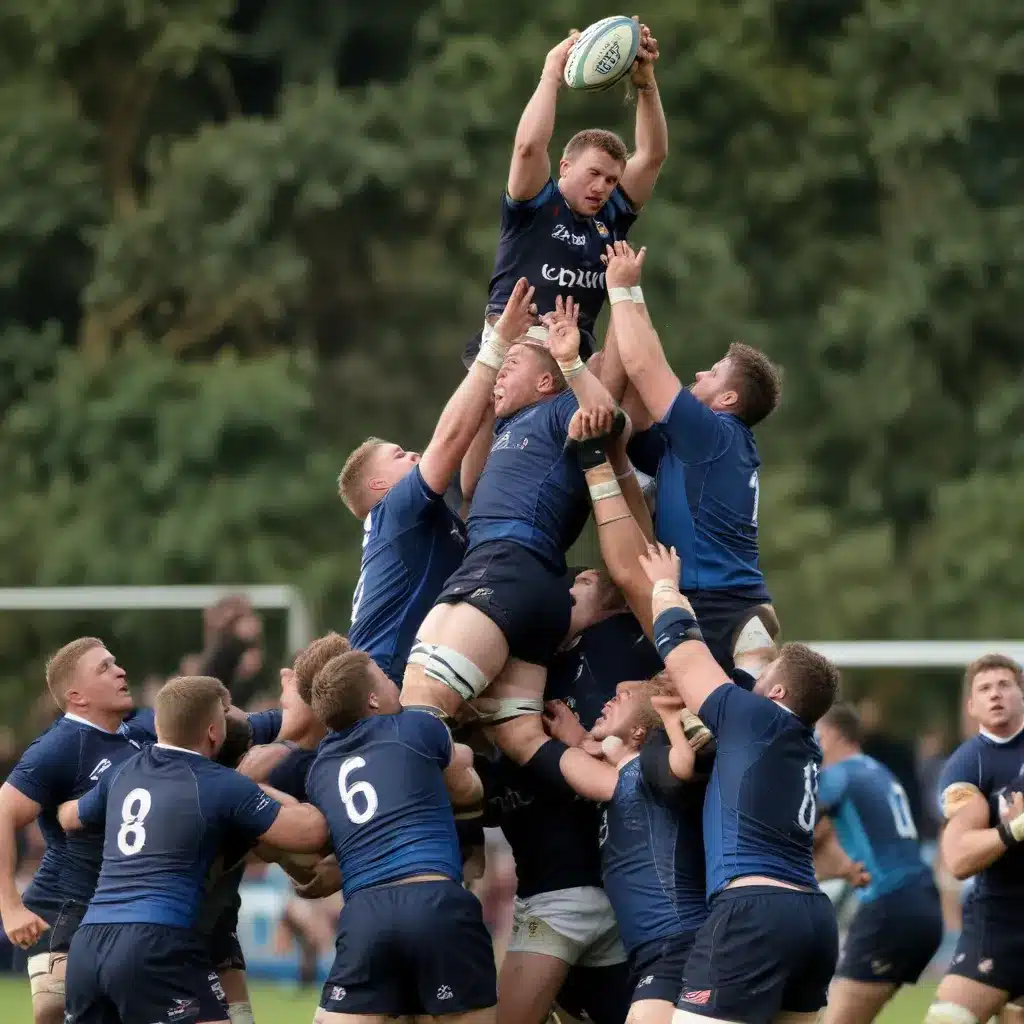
(1004, 733)
(843, 754)
(107, 721)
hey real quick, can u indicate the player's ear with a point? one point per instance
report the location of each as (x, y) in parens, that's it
(564, 166)
(377, 483)
(729, 399)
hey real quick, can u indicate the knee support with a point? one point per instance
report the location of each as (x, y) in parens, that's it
(456, 671)
(949, 1013)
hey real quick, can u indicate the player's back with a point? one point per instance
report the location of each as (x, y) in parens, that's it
(380, 785)
(706, 463)
(532, 491)
(872, 818)
(165, 822)
(412, 543)
(652, 857)
(759, 812)
(62, 764)
(995, 768)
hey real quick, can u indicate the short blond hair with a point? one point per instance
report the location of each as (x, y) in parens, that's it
(351, 477)
(185, 706)
(546, 361)
(312, 658)
(596, 138)
(341, 690)
(60, 667)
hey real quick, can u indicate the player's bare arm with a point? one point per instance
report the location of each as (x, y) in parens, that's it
(832, 861)
(637, 343)
(531, 164)
(460, 778)
(564, 345)
(17, 811)
(300, 828)
(590, 776)
(692, 669)
(651, 133)
(968, 844)
(682, 758)
(462, 416)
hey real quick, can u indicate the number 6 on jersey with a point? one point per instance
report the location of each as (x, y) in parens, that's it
(360, 788)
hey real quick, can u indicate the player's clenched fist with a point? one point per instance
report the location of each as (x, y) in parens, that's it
(23, 927)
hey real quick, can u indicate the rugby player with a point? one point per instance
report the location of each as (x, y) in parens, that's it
(702, 452)
(412, 541)
(770, 943)
(507, 609)
(565, 941)
(898, 926)
(67, 760)
(652, 854)
(983, 838)
(411, 939)
(166, 812)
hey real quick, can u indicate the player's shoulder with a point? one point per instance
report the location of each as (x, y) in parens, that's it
(518, 207)
(966, 763)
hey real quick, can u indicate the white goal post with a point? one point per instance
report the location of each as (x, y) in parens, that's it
(170, 598)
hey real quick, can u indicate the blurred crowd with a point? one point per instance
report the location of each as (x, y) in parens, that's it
(304, 930)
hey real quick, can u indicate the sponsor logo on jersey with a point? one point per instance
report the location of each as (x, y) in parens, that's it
(568, 278)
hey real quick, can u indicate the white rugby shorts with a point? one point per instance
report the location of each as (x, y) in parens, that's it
(575, 925)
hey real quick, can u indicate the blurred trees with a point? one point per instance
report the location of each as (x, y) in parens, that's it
(235, 238)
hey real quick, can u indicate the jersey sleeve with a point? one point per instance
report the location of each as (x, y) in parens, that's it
(655, 769)
(645, 450)
(46, 771)
(289, 776)
(960, 780)
(265, 726)
(832, 783)
(619, 213)
(695, 433)
(736, 717)
(92, 806)
(563, 409)
(408, 500)
(426, 734)
(517, 213)
(240, 801)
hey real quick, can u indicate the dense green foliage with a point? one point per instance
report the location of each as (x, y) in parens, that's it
(235, 239)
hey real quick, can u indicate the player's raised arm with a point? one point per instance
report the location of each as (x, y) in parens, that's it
(564, 344)
(589, 776)
(651, 133)
(682, 758)
(465, 410)
(531, 165)
(17, 811)
(694, 672)
(969, 845)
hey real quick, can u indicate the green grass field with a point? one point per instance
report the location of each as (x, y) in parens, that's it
(279, 1005)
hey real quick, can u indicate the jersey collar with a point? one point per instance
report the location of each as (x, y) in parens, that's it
(180, 750)
(68, 716)
(1000, 740)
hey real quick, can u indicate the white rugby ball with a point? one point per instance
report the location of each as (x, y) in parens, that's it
(603, 54)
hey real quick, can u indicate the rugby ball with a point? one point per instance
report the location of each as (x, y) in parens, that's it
(603, 54)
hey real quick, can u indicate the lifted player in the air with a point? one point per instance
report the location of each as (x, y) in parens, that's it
(565, 941)
(166, 812)
(770, 943)
(981, 791)
(501, 617)
(898, 926)
(652, 851)
(411, 939)
(412, 541)
(65, 762)
(702, 451)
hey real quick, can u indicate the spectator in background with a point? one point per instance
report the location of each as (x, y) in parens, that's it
(931, 756)
(897, 755)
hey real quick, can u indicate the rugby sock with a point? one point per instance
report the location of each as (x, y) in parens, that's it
(241, 1013)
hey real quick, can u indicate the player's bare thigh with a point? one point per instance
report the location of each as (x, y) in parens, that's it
(686, 1017)
(485, 1016)
(46, 980)
(236, 995)
(465, 630)
(650, 1011)
(528, 984)
(857, 1002)
(327, 1017)
(519, 737)
(958, 996)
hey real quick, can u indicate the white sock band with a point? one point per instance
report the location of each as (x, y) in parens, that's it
(753, 637)
(619, 295)
(607, 489)
(241, 1013)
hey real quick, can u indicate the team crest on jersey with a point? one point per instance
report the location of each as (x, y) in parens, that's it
(602, 230)
(100, 768)
(700, 998)
(337, 993)
(502, 442)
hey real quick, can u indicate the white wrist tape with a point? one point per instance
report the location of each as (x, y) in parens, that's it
(607, 489)
(1016, 827)
(573, 369)
(637, 294)
(619, 295)
(492, 348)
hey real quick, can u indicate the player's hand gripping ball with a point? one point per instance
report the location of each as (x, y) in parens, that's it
(603, 54)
